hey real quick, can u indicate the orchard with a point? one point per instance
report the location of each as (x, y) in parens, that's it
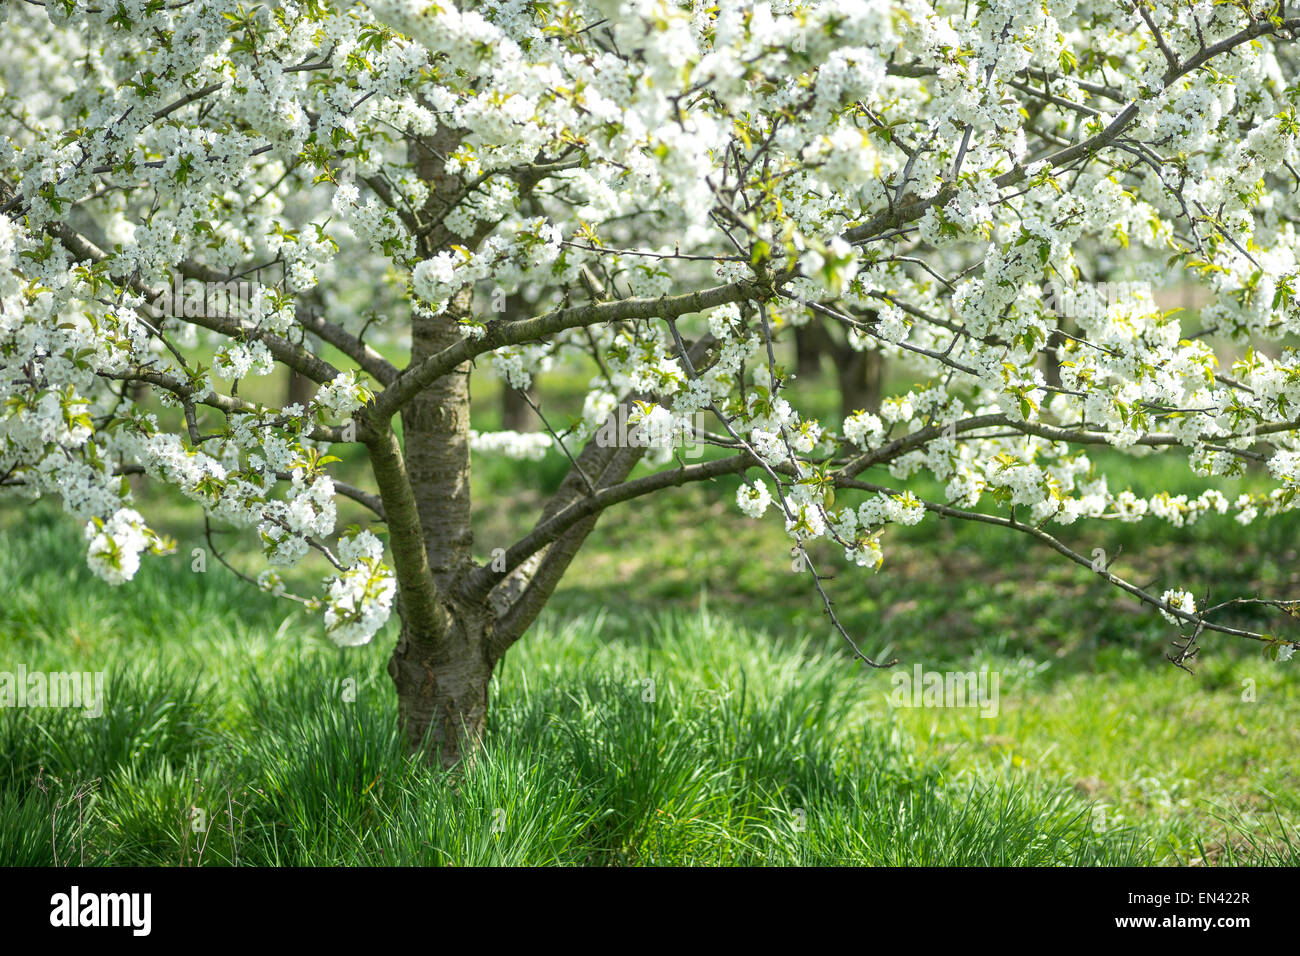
(384, 197)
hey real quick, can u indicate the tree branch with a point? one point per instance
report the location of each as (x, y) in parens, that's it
(502, 332)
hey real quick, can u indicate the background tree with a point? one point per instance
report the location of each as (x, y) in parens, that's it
(859, 369)
(675, 186)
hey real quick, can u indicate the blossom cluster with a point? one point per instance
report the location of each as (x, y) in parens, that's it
(920, 176)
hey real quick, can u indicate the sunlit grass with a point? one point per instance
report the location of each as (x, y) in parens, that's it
(234, 733)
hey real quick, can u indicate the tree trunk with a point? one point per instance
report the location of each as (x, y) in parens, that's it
(301, 389)
(859, 375)
(443, 660)
(516, 414)
(1052, 358)
(441, 668)
(453, 634)
(810, 342)
(442, 688)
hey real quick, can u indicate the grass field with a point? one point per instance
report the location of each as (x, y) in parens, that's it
(682, 702)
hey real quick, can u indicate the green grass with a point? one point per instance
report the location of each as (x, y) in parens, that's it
(235, 734)
(760, 746)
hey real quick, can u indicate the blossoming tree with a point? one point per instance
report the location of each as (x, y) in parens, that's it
(673, 188)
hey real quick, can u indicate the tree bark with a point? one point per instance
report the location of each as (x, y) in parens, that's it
(441, 668)
(442, 687)
(516, 414)
(859, 375)
(453, 635)
(810, 343)
(301, 389)
(1052, 358)
(442, 663)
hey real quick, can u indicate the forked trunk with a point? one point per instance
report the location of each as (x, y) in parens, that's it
(442, 664)
(442, 691)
